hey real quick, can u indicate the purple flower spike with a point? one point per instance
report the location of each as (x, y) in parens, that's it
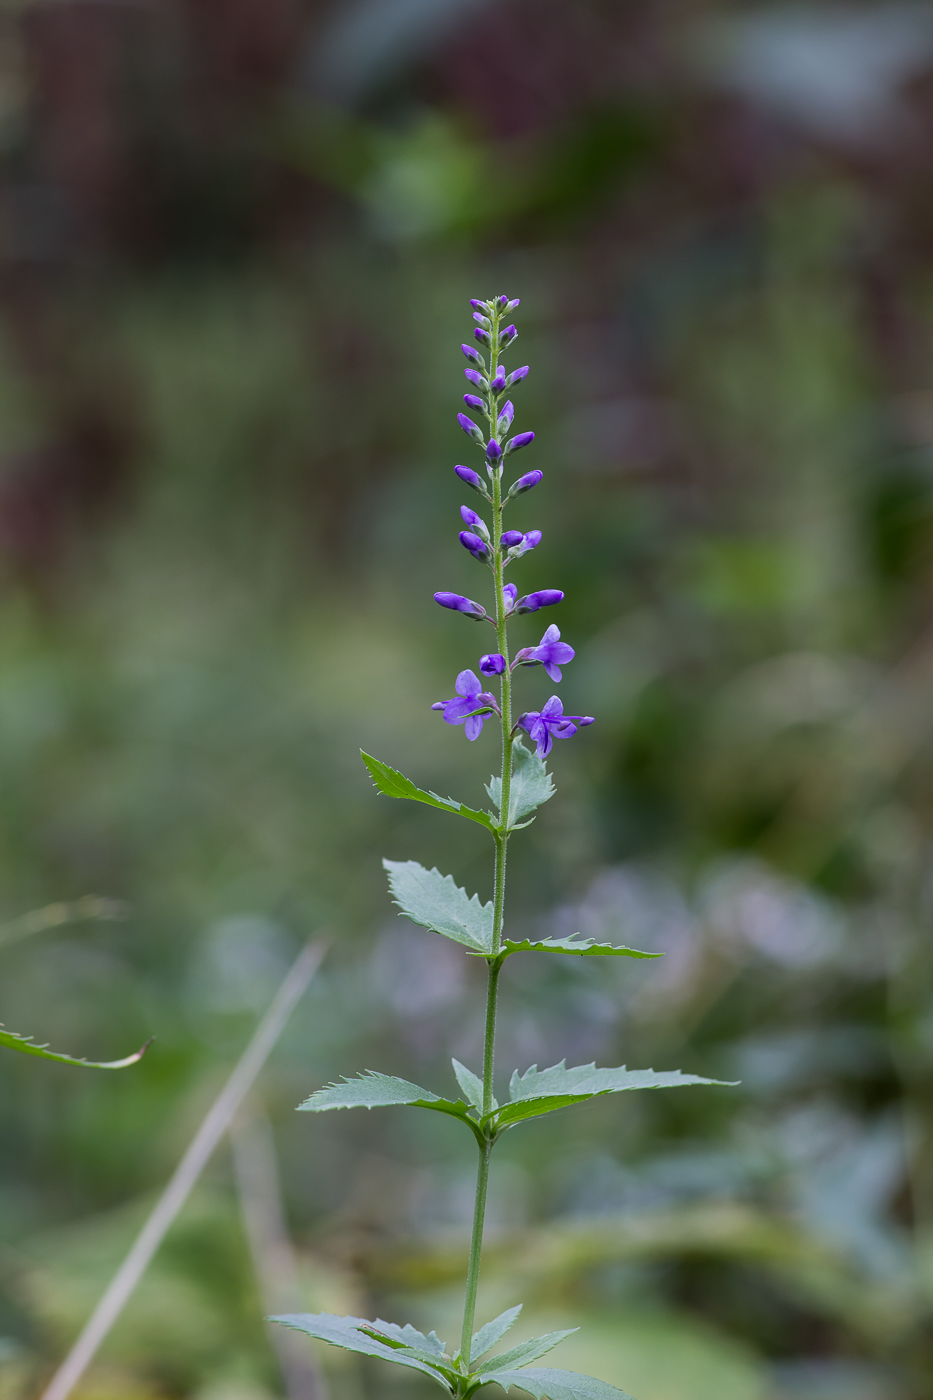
(498, 380)
(476, 378)
(520, 440)
(472, 401)
(525, 483)
(492, 664)
(470, 428)
(457, 603)
(510, 538)
(507, 336)
(509, 593)
(481, 335)
(474, 544)
(550, 723)
(544, 598)
(505, 418)
(493, 451)
(470, 698)
(471, 478)
(516, 376)
(551, 653)
(473, 355)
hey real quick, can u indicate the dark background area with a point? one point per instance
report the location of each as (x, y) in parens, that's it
(237, 242)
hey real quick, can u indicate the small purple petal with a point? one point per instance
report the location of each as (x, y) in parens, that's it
(492, 664)
(516, 376)
(440, 705)
(468, 683)
(471, 478)
(526, 482)
(520, 440)
(511, 537)
(551, 709)
(552, 634)
(473, 727)
(472, 401)
(553, 671)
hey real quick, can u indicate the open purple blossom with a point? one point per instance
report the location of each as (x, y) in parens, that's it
(505, 418)
(525, 483)
(544, 598)
(470, 428)
(457, 603)
(477, 547)
(470, 706)
(550, 723)
(516, 376)
(551, 653)
(519, 440)
(493, 664)
(471, 478)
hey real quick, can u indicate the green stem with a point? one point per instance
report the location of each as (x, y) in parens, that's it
(502, 839)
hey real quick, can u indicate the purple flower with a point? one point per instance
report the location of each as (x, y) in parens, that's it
(516, 301)
(474, 544)
(476, 378)
(525, 483)
(505, 418)
(550, 723)
(458, 603)
(470, 706)
(492, 664)
(471, 478)
(470, 428)
(473, 355)
(498, 380)
(509, 594)
(544, 598)
(520, 440)
(481, 335)
(551, 653)
(507, 336)
(516, 376)
(472, 401)
(510, 537)
(476, 522)
(524, 543)
(493, 451)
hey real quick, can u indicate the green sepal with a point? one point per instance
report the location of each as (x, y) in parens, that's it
(546, 1384)
(524, 1352)
(373, 1090)
(374, 1339)
(25, 1043)
(531, 786)
(492, 1332)
(394, 784)
(579, 947)
(434, 901)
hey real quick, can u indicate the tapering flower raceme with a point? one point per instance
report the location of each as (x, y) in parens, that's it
(493, 664)
(524, 483)
(505, 418)
(493, 451)
(470, 706)
(544, 598)
(551, 653)
(519, 440)
(473, 355)
(477, 547)
(476, 378)
(476, 522)
(498, 381)
(516, 376)
(473, 401)
(471, 478)
(549, 723)
(470, 428)
(457, 603)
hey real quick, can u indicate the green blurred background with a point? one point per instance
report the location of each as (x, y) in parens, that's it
(237, 241)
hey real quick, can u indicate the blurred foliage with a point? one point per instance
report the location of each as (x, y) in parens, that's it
(236, 246)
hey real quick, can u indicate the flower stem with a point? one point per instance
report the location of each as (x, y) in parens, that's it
(494, 962)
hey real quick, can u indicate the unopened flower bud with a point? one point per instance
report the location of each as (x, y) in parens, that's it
(478, 305)
(505, 418)
(483, 320)
(525, 483)
(476, 378)
(512, 304)
(507, 336)
(510, 538)
(516, 376)
(470, 428)
(544, 598)
(520, 440)
(473, 355)
(531, 541)
(457, 603)
(493, 450)
(474, 544)
(481, 335)
(471, 478)
(475, 522)
(472, 401)
(503, 302)
(492, 665)
(509, 594)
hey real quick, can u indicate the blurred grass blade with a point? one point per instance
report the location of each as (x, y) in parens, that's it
(212, 1129)
(89, 906)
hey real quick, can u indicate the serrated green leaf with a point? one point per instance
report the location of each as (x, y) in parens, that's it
(356, 1334)
(531, 785)
(472, 1086)
(580, 947)
(492, 1332)
(543, 1091)
(394, 784)
(434, 901)
(25, 1043)
(525, 1352)
(374, 1090)
(429, 1347)
(546, 1384)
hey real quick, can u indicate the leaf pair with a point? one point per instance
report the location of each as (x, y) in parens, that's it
(532, 1094)
(531, 785)
(406, 1346)
(436, 902)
